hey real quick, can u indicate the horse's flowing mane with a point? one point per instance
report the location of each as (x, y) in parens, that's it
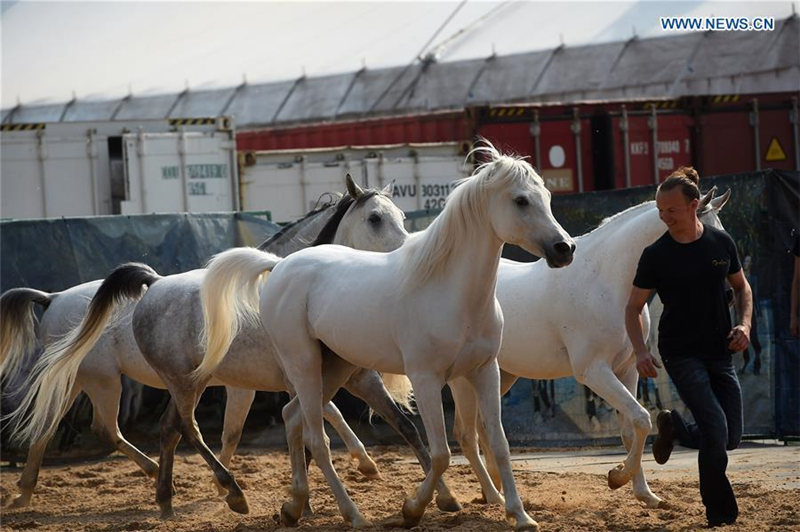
(282, 232)
(633, 211)
(428, 251)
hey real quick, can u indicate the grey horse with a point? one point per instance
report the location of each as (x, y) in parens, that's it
(166, 324)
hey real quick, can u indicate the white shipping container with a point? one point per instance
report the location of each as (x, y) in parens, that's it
(127, 167)
(290, 182)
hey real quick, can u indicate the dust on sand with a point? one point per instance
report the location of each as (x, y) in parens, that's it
(112, 494)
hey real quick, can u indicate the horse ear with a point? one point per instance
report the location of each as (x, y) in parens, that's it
(718, 203)
(705, 199)
(353, 188)
(388, 190)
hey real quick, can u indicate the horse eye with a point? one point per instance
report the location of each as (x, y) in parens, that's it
(374, 219)
(522, 201)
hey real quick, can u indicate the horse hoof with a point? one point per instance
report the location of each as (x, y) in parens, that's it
(617, 478)
(237, 503)
(288, 517)
(526, 523)
(411, 517)
(663, 505)
(360, 522)
(369, 470)
(167, 512)
(400, 521)
(19, 502)
(448, 504)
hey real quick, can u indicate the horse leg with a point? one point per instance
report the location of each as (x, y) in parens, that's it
(428, 394)
(292, 510)
(237, 406)
(507, 380)
(464, 430)
(600, 378)
(306, 375)
(104, 393)
(368, 386)
(641, 490)
(485, 381)
(366, 465)
(170, 436)
(30, 473)
(185, 404)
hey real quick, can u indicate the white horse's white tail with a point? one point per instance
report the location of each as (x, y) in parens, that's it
(399, 387)
(18, 327)
(230, 296)
(47, 397)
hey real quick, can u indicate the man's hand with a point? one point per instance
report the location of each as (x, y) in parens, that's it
(646, 364)
(739, 338)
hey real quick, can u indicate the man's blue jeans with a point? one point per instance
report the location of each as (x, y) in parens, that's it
(711, 391)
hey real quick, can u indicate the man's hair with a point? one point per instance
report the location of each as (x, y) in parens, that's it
(685, 178)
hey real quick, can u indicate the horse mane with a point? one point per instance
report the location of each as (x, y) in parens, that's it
(623, 214)
(264, 246)
(635, 210)
(328, 232)
(428, 251)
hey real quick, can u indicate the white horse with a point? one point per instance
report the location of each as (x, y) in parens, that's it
(427, 310)
(578, 330)
(366, 219)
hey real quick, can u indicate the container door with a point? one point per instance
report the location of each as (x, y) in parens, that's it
(178, 172)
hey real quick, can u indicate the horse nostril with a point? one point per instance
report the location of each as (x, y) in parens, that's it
(562, 248)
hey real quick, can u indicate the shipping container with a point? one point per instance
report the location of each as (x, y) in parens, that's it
(118, 167)
(451, 126)
(289, 183)
(591, 145)
(603, 145)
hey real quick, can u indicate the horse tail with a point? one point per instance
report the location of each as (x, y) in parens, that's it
(53, 376)
(230, 296)
(400, 389)
(18, 326)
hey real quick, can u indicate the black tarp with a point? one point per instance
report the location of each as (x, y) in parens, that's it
(55, 254)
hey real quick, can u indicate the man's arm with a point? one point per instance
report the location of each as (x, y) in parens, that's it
(743, 296)
(646, 363)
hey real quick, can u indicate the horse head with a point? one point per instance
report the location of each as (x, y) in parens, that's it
(370, 221)
(709, 207)
(520, 212)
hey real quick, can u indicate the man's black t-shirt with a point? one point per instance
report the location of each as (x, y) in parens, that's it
(690, 280)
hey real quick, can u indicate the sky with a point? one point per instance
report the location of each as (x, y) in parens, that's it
(50, 51)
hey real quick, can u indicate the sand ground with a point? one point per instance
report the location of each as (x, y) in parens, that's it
(562, 489)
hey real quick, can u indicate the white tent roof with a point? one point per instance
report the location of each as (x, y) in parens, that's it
(667, 66)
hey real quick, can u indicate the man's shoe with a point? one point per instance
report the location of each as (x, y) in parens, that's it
(663, 443)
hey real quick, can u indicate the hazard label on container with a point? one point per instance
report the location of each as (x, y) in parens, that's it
(774, 151)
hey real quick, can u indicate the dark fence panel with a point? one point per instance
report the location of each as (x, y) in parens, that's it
(55, 254)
